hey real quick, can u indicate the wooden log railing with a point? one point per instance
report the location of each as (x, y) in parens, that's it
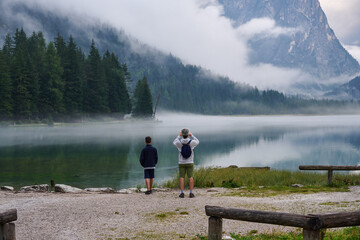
(7, 227)
(329, 168)
(312, 225)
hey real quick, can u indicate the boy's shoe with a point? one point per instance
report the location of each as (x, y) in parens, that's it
(191, 195)
(148, 192)
(181, 195)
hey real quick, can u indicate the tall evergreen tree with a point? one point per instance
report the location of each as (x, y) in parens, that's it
(51, 85)
(119, 100)
(8, 49)
(143, 99)
(96, 89)
(36, 49)
(61, 48)
(73, 80)
(21, 76)
(5, 90)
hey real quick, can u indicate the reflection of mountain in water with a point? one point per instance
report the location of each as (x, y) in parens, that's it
(224, 144)
(324, 147)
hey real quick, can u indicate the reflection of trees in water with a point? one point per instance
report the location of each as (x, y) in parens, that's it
(78, 164)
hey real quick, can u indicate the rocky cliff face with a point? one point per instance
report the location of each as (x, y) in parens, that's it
(313, 47)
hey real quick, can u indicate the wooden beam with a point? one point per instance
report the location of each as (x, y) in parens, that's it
(285, 219)
(8, 216)
(255, 168)
(344, 219)
(328, 167)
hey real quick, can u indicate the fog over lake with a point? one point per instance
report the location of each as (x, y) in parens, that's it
(107, 154)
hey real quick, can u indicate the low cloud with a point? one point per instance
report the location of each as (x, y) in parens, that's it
(263, 27)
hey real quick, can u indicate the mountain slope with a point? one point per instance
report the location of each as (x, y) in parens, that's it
(313, 45)
(183, 87)
(347, 91)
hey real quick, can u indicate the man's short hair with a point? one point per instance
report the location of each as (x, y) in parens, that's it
(185, 132)
(148, 139)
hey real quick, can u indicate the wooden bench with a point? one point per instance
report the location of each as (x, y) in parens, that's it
(7, 227)
(313, 225)
(329, 168)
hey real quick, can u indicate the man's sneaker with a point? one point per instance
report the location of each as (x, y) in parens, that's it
(191, 195)
(181, 195)
(148, 192)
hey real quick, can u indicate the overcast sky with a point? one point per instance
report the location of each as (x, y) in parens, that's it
(197, 32)
(344, 18)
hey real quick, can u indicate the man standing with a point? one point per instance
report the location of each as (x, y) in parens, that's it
(149, 159)
(185, 143)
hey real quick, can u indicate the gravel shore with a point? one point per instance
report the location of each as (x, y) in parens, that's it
(161, 215)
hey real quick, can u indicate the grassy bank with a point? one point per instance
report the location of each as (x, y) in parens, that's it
(352, 233)
(275, 180)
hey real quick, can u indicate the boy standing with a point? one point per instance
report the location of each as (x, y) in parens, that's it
(149, 159)
(185, 143)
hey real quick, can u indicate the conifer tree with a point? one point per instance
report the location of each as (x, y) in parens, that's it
(143, 99)
(51, 85)
(61, 48)
(8, 49)
(21, 78)
(96, 89)
(36, 49)
(73, 80)
(119, 100)
(5, 90)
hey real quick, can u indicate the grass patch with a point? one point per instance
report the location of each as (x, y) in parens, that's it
(275, 179)
(276, 190)
(165, 215)
(352, 233)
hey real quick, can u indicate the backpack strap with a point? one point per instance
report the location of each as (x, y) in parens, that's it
(187, 143)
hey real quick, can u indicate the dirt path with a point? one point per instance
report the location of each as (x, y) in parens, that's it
(161, 215)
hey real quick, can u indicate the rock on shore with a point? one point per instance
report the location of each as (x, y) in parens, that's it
(6, 188)
(67, 189)
(35, 188)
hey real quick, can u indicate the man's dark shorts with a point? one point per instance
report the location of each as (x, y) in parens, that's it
(149, 173)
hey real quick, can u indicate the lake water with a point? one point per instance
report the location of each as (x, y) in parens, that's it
(99, 155)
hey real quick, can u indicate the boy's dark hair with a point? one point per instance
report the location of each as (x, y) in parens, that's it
(148, 140)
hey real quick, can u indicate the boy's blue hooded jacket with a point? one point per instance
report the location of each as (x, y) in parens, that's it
(149, 157)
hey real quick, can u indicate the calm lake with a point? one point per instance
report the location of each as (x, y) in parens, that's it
(106, 154)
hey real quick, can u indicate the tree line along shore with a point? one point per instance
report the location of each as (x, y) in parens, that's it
(56, 81)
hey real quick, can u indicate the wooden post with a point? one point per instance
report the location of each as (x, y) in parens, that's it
(311, 234)
(215, 228)
(7, 231)
(330, 175)
(52, 184)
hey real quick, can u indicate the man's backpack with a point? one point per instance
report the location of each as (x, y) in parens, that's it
(186, 150)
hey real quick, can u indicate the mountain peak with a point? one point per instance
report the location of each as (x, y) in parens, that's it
(313, 47)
